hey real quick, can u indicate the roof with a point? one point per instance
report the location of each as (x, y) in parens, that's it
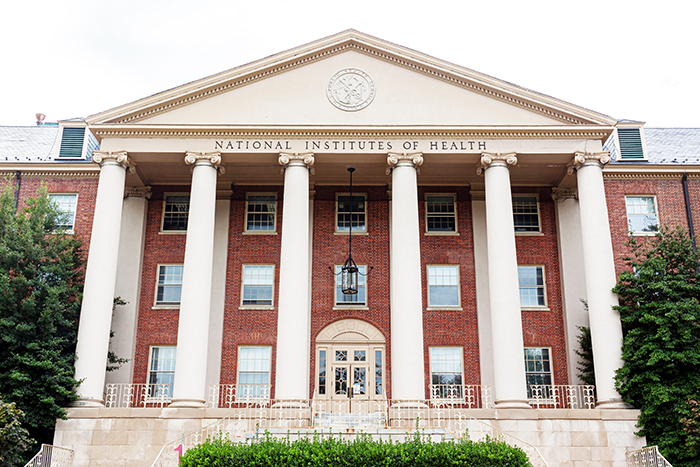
(27, 143)
(673, 145)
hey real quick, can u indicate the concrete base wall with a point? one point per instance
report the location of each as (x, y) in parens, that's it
(134, 437)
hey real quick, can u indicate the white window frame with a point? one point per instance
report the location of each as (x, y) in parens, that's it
(550, 372)
(460, 353)
(162, 216)
(243, 285)
(428, 215)
(164, 304)
(537, 232)
(154, 397)
(641, 233)
(432, 306)
(272, 231)
(355, 230)
(240, 392)
(544, 287)
(361, 282)
(73, 213)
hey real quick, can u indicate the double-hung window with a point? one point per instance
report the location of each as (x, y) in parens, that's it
(351, 212)
(532, 287)
(642, 215)
(258, 282)
(446, 372)
(169, 287)
(538, 369)
(253, 372)
(526, 213)
(358, 299)
(67, 204)
(440, 213)
(261, 212)
(161, 371)
(443, 286)
(176, 208)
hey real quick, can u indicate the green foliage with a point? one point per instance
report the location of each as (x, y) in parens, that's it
(584, 368)
(363, 451)
(691, 425)
(660, 316)
(114, 362)
(14, 440)
(41, 277)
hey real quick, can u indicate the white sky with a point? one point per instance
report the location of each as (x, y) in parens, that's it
(635, 60)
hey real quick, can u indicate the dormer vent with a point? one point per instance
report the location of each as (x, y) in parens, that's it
(72, 143)
(630, 143)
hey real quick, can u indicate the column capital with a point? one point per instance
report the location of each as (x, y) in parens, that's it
(588, 158)
(305, 158)
(213, 158)
(394, 159)
(564, 193)
(489, 159)
(117, 157)
(137, 192)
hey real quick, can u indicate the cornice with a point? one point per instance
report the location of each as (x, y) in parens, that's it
(650, 172)
(649, 176)
(360, 43)
(50, 171)
(160, 131)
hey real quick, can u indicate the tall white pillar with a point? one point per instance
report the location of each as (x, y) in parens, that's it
(407, 363)
(294, 317)
(100, 278)
(195, 303)
(599, 270)
(504, 290)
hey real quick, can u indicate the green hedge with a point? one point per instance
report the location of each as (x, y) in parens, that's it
(363, 451)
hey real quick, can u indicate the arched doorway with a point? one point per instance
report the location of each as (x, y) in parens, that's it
(350, 364)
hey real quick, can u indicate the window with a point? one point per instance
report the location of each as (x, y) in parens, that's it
(440, 213)
(443, 286)
(378, 373)
(175, 212)
(358, 299)
(161, 371)
(641, 214)
(538, 370)
(253, 372)
(446, 372)
(526, 213)
(67, 204)
(169, 284)
(532, 290)
(347, 212)
(261, 212)
(258, 280)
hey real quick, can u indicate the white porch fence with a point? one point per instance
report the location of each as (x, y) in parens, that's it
(52, 456)
(562, 396)
(647, 457)
(125, 395)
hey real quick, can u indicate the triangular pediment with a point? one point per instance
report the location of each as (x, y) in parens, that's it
(290, 89)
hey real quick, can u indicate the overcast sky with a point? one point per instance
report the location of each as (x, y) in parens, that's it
(634, 60)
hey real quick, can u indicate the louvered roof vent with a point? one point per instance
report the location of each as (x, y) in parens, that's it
(631, 147)
(72, 140)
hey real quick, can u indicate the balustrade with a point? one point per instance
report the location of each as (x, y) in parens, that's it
(562, 396)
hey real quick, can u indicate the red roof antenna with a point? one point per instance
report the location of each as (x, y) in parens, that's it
(40, 119)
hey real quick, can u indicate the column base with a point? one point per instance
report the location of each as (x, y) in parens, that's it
(612, 404)
(85, 402)
(188, 403)
(291, 404)
(412, 404)
(512, 404)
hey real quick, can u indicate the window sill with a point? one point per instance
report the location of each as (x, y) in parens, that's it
(535, 308)
(442, 234)
(261, 232)
(529, 234)
(444, 308)
(354, 232)
(642, 234)
(166, 307)
(172, 232)
(256, 307)
(351, 307)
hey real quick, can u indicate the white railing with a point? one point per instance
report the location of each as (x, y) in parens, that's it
(562, 396)
(52, 456)
(473, 396)
(229, 395)
(137, 395)
(647, 457)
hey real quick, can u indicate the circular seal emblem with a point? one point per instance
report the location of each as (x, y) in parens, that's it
(350, 89)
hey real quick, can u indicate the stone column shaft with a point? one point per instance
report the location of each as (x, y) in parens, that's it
(407, 362)
(504, 289)
(195, 302)
(100, 278)
(294, 315)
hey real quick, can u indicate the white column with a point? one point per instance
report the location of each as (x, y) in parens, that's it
(407, 364)
(293, 317)
(100, 278)
(599, 270)
(195, 303)
(504, 290)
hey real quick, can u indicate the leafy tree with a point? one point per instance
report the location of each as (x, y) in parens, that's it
(14, 440)
(584, 368)
(660, 316)
(41, 278)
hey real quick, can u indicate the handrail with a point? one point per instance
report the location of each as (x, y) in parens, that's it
(51, 456)
(646, 457)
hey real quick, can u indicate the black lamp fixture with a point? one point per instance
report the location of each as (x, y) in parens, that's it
(350, 272)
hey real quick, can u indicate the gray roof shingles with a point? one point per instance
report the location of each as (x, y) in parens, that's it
(27, 143)
(666, 146)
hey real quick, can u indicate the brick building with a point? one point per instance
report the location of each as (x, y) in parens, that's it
(481, 214)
